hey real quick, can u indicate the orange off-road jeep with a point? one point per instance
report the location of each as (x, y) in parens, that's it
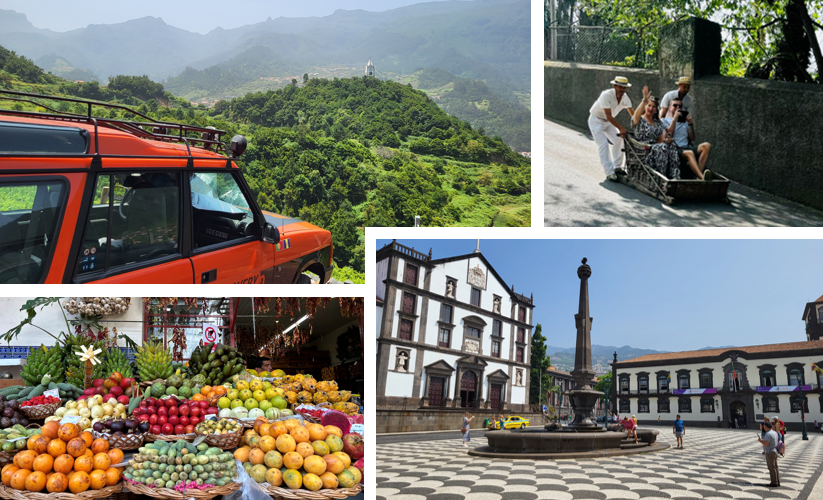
(94, 199)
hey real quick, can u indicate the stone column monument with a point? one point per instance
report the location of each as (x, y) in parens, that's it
(583, 397)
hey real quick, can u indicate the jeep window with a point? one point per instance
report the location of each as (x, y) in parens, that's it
(220, 211)
(28, 221)
(134, 218)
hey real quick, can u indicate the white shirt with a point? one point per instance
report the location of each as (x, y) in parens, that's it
(667, 102)
(608, 100)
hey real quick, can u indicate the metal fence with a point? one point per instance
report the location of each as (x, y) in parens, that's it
(598, 45)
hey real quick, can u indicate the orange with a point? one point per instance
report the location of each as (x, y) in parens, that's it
(18, 479)
(99, 445)
(305, 450)
(206, 390)
(331, 429)
(8, 471)
(88, 453)
(97, 479)
(64, 463)
(316, 432)
(83, 464)
(30, 441)
(67, 432)
(292, 424)
(256, 456)
(43, 463)
(258, 422)
(198, 397)
(292, 460)
(36, 481)
(41, 445)
(285, 443)
(264, 429)
(116, 455)
(25, 459)
(101, 461)
(242, 454)
(87, 437)
(329, 480)
(50, 429)
(69, 474)
(79, 482)
(56, 447)
(76, 447)
(220, 389)
(300, 435)
(57, 483)
(277, 429)
(267, 443)
(112, 476)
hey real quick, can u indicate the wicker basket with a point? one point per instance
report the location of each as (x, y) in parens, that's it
(40, 412)
(169, 437)
(124, 442)
(12, 494)
(170, 494)
(301, 494)
(225, 441)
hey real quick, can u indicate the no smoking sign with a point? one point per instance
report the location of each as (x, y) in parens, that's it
(210, 334)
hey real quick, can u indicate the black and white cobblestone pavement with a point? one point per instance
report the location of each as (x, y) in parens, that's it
(715, 464)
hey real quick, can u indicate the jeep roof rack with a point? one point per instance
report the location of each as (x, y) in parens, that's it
(148, 129)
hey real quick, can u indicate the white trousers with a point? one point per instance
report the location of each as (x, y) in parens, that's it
(607, 138)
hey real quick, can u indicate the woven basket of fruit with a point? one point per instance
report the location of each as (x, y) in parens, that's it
(175, 494)
(170, 437)
(225, 433)
(301, 494)
(122, 441)
(39, 411)
(13, 494)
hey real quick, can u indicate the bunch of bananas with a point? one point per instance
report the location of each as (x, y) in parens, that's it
(153, 361)
(116, 361)
(76, 369)
(43, 361)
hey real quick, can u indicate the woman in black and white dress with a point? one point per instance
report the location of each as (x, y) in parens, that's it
(648, 129)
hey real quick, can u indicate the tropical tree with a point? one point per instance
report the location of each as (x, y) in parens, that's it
(774, 39)
(540, 380)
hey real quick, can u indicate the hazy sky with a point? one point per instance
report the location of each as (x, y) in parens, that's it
(200, 16)
(669, 295)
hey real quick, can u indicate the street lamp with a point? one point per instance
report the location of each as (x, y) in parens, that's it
(803, 414)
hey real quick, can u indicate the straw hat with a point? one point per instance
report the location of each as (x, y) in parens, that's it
(683, 80)
(621, 81)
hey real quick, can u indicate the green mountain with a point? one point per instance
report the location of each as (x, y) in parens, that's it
(562, 358)
(13, 65)
(58, 66)
(229, 78)
(473, 101)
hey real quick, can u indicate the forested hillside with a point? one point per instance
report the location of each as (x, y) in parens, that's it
(342, 154)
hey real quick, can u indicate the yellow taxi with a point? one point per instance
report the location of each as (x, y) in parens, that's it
(510, 423)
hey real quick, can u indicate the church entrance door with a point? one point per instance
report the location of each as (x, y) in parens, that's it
(468, 389)
(738, 410)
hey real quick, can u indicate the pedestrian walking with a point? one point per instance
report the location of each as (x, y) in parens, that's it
(634, 419)
(465, 429)
(769, 443)
(679, 430)
(606, 131)
(815, 426)
(502, 425)
(779, 428)
(658, 420)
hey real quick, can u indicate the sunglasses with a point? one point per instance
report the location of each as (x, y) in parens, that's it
(677, 105)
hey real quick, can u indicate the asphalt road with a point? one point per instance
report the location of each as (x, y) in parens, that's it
(576, 193)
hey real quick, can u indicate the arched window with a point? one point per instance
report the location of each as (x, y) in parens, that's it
(663, 405)
(705, 378)
(795, 376)
(683, 381)
(662, 382)
(643, 406)
(643, 383)
(706, 405)
(685, 404)
(770, 404)
(767, 378)
(625, 406)
(797, 403)
(624, 384)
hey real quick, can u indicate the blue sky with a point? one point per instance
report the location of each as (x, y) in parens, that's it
(669, 295)
(200, 16)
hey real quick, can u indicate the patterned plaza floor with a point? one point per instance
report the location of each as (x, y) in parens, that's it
(715, 464)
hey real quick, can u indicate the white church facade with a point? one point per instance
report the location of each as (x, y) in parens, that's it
(451, 334)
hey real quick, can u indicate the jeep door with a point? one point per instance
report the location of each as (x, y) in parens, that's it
(227, 246)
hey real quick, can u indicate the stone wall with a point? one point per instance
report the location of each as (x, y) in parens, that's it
(764, 134)
(390, 421)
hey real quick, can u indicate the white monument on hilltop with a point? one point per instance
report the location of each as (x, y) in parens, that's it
(370, 68)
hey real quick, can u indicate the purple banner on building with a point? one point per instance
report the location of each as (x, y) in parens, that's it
(678, 392)
(784, 388)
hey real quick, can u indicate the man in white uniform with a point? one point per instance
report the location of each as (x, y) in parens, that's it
(684, 83)
(607, 132)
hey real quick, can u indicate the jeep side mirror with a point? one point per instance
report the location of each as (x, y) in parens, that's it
(271, 234)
